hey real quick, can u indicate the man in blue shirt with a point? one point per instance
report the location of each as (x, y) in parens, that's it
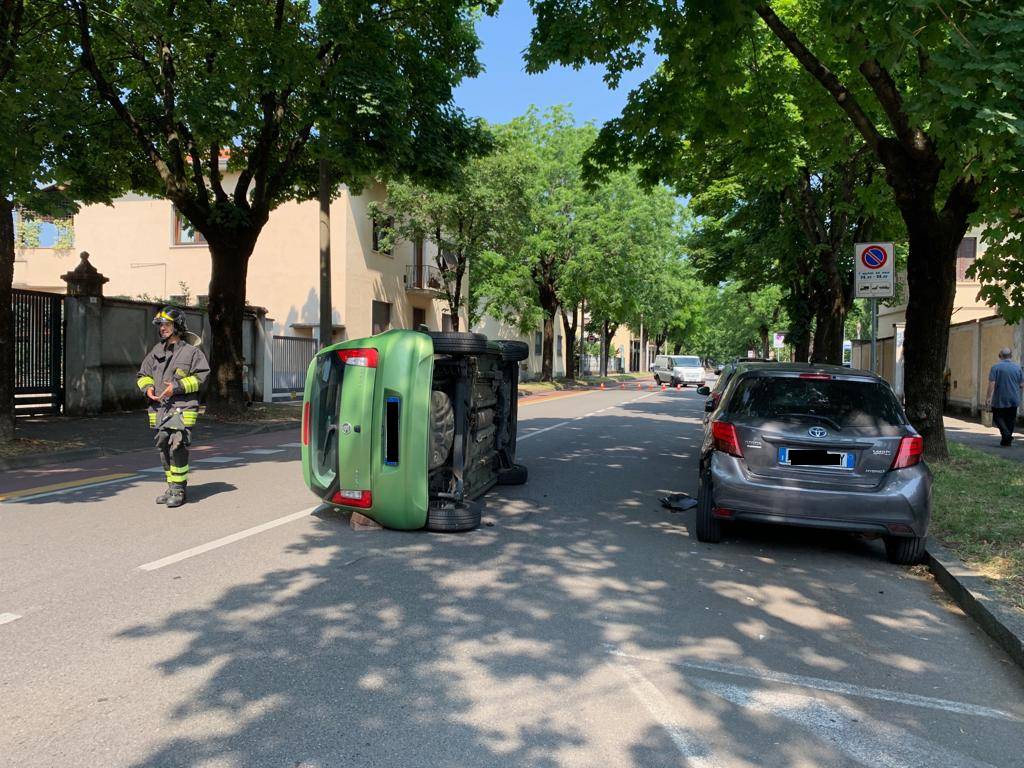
(1005, 384)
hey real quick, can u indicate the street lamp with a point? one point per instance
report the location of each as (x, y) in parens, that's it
(142, 265)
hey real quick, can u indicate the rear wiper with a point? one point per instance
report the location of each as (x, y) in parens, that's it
(814, 416)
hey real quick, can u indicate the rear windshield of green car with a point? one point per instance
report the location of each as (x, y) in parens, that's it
(686, 362)
(844, 402)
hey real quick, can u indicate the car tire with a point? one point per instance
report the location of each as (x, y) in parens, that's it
(514, 475)
(453, 518)
(905, 550)
(513, 351)
(708, 527)
(457, 343)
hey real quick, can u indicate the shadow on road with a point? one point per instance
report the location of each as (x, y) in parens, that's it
(491, 648)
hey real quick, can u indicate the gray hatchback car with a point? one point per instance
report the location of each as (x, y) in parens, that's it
(816, 446)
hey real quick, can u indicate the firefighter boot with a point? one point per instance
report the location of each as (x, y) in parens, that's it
(176, 495)
(163, 497)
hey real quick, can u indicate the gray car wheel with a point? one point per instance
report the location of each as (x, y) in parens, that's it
(709, 528)
(904, 550)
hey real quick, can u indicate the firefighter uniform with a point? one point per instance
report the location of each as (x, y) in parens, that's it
(185, 367)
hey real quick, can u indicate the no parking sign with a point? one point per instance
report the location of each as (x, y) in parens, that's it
(874, 270)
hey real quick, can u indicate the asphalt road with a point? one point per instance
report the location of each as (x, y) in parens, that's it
(582, 625)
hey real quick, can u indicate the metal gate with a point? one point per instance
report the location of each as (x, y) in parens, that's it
(38, 352)
(292, 356)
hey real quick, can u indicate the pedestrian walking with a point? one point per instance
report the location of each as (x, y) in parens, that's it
(171, 376)
(1005, 384)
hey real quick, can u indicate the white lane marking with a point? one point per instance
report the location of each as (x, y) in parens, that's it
(7, 618)
(290, 445)
(224, 541)
(832, 686)
(585, 415)
(696, 754)
(263, 451)
(161, 470)
(866, 740)
(541, 431)
(77, 488)
(217, 459)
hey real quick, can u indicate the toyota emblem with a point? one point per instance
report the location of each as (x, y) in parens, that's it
(818, 432)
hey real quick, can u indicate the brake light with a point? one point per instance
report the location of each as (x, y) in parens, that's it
(816, 376)
(725, 440)
(366, 358)
(360, 499)
(909, 452)
(305, 423)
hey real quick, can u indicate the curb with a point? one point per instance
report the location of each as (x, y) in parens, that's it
(79, 454)
(977, 599)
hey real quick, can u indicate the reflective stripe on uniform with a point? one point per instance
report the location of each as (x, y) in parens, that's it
(152, 418)
(177, 474)
(190, 384)
(189, 418)
(145, 382)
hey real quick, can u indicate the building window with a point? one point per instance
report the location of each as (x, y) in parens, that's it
(185, 233)
(419, 317)
(381, 317)
(538, 343)
(558, 346)
(379, 228)
(446, 323)
(417, 252)
(965, 256)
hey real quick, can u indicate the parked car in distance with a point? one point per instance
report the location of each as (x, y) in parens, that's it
(678, 369)
(816, 446)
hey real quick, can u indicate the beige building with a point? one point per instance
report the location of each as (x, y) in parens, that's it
(146, 250)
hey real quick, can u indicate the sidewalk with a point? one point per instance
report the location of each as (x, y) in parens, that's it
(986, 439)
(123, 431)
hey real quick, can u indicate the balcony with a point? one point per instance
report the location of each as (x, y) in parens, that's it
(423, 279)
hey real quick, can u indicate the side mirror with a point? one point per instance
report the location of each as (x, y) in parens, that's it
(709, 405)
(705, 391)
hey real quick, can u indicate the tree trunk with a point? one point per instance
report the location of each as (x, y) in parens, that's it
(230, 264)
(570, 342)
(6, 321)
(763, 333)
(931, 282)
(604, 348)
(829, 327)
(547, 359)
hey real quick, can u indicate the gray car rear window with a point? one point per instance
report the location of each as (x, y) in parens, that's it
(847, 403)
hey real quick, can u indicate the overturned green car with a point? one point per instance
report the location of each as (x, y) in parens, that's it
(411, 428)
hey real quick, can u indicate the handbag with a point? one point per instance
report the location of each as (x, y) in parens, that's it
(986, 417)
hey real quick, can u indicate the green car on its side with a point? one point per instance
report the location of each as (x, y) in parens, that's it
(409, 428)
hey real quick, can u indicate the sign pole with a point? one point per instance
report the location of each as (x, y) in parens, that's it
(874, 335)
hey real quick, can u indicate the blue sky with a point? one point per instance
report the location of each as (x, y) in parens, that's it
(505, 91)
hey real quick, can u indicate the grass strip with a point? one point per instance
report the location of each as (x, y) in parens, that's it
(978, 513)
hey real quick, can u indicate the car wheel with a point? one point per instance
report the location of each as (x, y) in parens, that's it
(514, 475)
(709, 528)
(453, 518)
(513, 351)
(452, 342)
(904, 550)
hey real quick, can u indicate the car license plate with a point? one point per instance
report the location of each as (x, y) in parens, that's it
(803, 457)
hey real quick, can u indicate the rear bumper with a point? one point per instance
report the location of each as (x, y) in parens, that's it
(903, 500)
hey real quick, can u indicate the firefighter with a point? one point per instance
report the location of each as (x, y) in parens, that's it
(171, 376)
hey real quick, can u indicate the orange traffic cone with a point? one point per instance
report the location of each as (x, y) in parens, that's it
(602, 385)
(622, 385)
(679, 386)
(662, 387)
